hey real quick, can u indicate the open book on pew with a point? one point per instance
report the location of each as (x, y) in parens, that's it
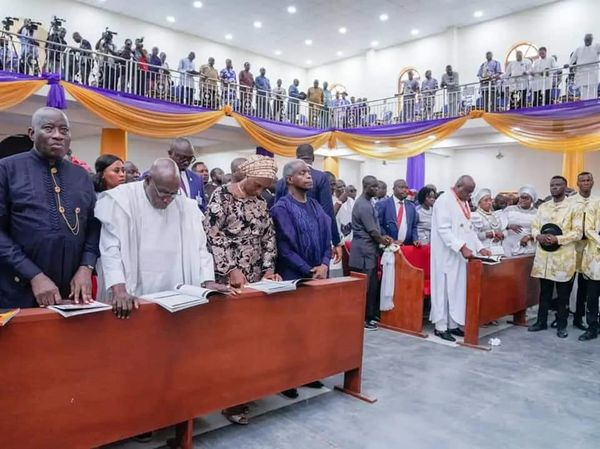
(270, 287)
(182, 297)
(6, 315)
(69, 309)
(488, 260)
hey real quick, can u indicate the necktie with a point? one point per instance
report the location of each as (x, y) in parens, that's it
(400, 214)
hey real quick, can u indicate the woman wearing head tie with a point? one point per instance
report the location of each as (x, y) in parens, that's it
(519, 219)
(488, 224)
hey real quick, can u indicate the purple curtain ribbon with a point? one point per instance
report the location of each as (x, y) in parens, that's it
(415, 171)
(56, 95)
(262, 152)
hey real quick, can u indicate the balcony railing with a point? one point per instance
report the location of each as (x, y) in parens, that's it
(113, 72)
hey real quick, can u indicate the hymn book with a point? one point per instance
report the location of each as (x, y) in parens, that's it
(270, 287)
(488, 260)
(70, 309)
(6, 315)
(181, 297)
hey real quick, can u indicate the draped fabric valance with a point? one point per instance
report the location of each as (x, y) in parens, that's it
(571, 127)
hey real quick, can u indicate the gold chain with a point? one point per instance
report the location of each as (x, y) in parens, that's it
(61, 210)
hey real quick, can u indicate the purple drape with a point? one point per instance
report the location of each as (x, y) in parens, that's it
(56, 94)
(262, 152)
(415, 171)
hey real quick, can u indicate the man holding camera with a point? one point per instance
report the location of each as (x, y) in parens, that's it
(108, 69)
(83, 62)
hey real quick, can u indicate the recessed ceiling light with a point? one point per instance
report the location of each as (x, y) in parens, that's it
(342, 30)
(383, 17)
(292, 9)
(309, 62)
(414, 31)
(170, 19)
(374, 43)
(339, 53)
(477, 14)
(277, 52)
(197, 4)
(257, 24)
(228, 36)
(308, 42)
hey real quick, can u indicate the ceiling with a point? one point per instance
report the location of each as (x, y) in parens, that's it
(316, 20)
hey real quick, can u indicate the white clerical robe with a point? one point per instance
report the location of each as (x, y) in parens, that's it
(450, 230)
(149, 249)
(586, 77)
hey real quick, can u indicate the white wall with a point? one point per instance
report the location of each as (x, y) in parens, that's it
(90, 22)
(559, 26)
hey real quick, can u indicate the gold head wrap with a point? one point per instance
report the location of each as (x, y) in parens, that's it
(259, 167)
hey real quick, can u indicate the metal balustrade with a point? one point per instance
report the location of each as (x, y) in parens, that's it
(35, 56)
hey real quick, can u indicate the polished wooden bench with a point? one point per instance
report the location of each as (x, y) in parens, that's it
(494, 291)
(409, 289)
(90, 380)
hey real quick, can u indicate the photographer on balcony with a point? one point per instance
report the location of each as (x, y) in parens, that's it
(125, 66)
(82, 61)
(29, 48)
(140, 56)
(109, 72)
(56, 46)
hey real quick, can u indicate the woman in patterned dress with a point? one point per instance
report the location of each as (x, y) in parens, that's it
(241, 236)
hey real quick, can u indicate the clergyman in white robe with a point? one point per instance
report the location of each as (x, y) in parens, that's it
(586, 77)
(149, 249)
(451, 229)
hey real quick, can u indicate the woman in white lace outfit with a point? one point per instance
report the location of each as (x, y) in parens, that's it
(519, 218)
(488, 224)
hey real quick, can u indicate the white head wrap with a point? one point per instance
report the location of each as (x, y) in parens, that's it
(529, 190)
(479, 196)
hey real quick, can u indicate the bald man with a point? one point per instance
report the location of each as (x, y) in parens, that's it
(453, 242)
(48, 234)
(152, 239)
(236, 173)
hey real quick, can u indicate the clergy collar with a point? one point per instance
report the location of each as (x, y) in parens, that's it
(44, 160)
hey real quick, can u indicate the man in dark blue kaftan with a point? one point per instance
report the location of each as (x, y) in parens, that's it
(303, 229)
(48, 233)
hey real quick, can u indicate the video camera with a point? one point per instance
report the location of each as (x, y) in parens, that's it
(31, 25)
(8, 22)
(56, 24)
(108, 34)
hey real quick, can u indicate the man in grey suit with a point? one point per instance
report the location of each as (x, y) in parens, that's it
(365, 247)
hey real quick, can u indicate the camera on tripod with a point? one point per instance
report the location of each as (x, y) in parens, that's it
(56, 24)
(8, 22)
(31, 25)
(108, 34)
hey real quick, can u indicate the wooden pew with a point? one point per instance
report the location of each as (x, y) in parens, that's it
(494, 291)
(407, 314)
(87, 381)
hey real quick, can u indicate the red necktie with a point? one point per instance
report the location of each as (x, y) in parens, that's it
(400, 214)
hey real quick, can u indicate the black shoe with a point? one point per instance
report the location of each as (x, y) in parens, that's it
(554, 324)
(370, 325)
(377, 319)
(315, 384)
(578, 323)
(143, 437)
(292, 393)
(457, 331)
(537, 326)
(588, 335)
(562, 333)
(446, 335)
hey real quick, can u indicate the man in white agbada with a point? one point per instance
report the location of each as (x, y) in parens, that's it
(586, 77)
(453, 242)
(152, 239)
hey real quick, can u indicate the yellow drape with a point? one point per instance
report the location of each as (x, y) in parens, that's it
(114, 141)
(399, 147)
(140, 121)
(281, 145)
(14, 92)
(573, 164)
(332, 164)
(576, 135)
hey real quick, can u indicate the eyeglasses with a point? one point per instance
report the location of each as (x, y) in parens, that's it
(163, 195)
